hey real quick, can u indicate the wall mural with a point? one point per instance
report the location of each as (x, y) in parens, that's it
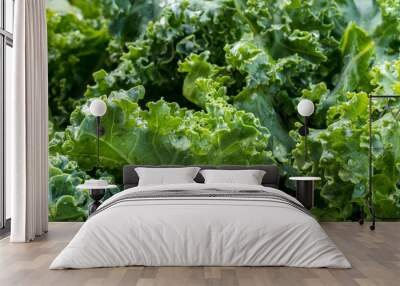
(218, 82)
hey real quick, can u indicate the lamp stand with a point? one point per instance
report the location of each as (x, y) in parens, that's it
(98, 140)
(303, 131)
(305, 138)
(99, 132)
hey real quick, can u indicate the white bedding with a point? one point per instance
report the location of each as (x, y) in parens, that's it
(200, 231)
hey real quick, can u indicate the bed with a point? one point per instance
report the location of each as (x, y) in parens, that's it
(197, 224)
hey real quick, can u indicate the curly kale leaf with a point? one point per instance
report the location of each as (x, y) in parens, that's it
(369, 35)
(380, 19)
(77, 48)
(184, 27)
(127, 19)
(386, 78)
(84, 37)
(218, 82)
(165, 133)
(65, 202)
(340, 152)
(338, 155)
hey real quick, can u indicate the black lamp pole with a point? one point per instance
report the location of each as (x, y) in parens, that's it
(98, 140)
(305, 108)
(303, 131)
(305, 137)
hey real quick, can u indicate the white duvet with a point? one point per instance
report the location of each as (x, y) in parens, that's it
(199, 231)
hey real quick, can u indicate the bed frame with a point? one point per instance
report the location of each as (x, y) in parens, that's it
(271, 177)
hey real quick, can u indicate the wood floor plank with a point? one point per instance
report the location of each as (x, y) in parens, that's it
(375, 257)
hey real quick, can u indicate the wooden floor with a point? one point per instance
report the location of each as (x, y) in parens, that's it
(375, 257)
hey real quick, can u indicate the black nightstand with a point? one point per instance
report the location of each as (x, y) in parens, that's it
(305, 190)
(96, 193)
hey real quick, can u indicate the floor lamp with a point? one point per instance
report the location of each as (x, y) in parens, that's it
(370, 169)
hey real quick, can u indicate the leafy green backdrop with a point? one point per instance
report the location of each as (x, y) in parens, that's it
(217, 82)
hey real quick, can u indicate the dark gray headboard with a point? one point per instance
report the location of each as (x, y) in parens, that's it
(271, 177)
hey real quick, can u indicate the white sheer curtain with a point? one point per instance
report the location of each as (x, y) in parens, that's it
(27, 119)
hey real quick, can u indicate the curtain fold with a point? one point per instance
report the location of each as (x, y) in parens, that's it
(27, 123)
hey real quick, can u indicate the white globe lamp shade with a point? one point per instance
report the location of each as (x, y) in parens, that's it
(305, 107)
(98, 107)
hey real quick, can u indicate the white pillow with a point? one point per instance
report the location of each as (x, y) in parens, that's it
(165, 176)
(248, 177)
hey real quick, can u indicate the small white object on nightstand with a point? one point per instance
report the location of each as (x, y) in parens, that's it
(305, 178)
(95, 185)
